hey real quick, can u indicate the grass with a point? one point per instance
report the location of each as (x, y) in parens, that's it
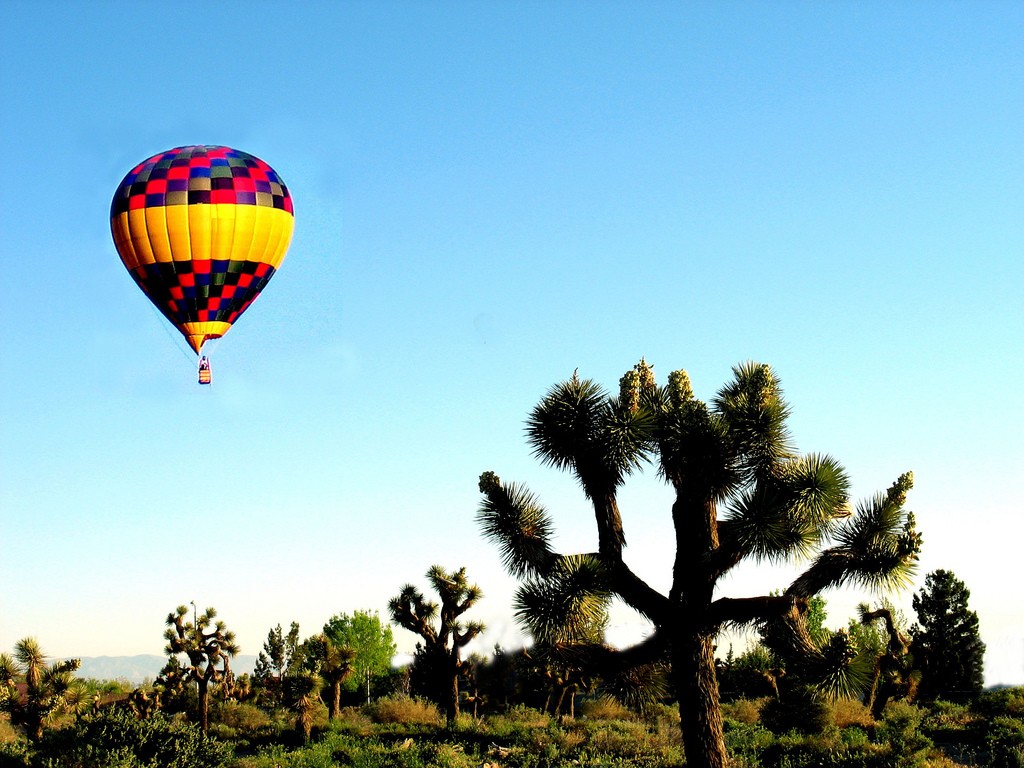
(403, 732)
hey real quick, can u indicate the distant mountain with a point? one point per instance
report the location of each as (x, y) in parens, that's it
(136, 669)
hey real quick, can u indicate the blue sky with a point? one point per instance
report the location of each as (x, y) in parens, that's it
(488, 196)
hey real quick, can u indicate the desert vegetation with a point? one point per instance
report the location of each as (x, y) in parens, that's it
(879, 691)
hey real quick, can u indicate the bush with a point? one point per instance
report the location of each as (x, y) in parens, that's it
(799, 710)
(1002, 702)
(117, 739)
(241, 716)
(605, 708)
(404, 710)
(1005, 742)
(517, 722)
(901, 729)
(850, 712)
(948, 716)
(747, 711)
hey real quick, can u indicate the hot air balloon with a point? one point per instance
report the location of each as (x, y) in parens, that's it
(202, 229)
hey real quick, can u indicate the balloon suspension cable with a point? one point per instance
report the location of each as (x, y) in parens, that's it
(175, 337)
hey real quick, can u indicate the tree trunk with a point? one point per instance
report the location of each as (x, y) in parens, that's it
(700, 714)
(335, 707)
(452, 708)
(204, 704)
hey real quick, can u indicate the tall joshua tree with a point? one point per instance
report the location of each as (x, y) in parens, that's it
(741, 493)
(443, 643)
(209, 650)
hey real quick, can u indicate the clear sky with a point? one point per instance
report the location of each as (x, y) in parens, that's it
(488, 196)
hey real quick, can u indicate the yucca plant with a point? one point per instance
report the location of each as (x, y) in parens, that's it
(48, 691)
(333, 663)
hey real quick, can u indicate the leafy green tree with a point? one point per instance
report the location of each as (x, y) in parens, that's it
(50, 690)
(372, 641)
(946, 642)
(442, 643)
(209, 650)
(278, 657)
(741, 493)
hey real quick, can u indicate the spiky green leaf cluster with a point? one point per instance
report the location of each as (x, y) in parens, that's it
(568, 606)
(838, 671)
(512, 517)
(580, 428)
(790, 511)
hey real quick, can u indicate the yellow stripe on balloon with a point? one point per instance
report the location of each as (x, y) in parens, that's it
(139, 235)
(245, 224)
(123, 240)
(178, 231)
(281, 223)
(156, 230)
(223, 219)
(200, 229)
(287, 227)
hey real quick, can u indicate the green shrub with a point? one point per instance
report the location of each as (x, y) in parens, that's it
(901, 730)
(117, 739)
(854, 736)
(743, 710)
(241, 716)
(404, 710)
(999, 702)
(948, 715)
(799, 709)
(845, 713)
(1005, 742)
(13, 754)
(605, 708)
(517, 723)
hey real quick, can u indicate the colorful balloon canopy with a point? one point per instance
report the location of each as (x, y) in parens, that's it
(202, 230)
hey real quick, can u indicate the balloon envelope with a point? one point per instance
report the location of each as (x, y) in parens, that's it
(202, 229)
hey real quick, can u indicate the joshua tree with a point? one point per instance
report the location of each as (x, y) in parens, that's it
(741, 492)
(442, 646)
(333, 663)
(884, 652)
(205, 648)
(49, 690)
(300, 694)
